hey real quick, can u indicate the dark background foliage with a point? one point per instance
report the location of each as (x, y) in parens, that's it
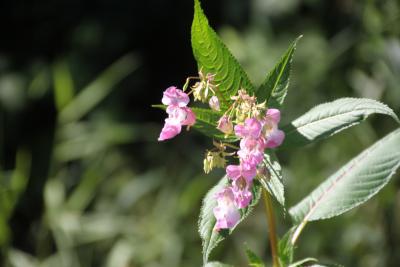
(98, 190)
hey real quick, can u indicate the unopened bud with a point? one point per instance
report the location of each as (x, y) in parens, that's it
(214, 103)
(225, 125)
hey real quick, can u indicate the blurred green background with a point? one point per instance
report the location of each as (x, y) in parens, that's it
(83, 181)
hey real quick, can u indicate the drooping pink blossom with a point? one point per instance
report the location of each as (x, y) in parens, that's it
(178, 113)
(175, 96)
(171, 128)
(250, 128)
(272, 135)
(274, 114)
(275, 139)
(214, 103)
(226, 213)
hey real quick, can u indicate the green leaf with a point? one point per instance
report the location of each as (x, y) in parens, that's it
(254, 260)
(274, 88)
(213, 56)
(330, 118)
(274, 183)
(210, 237)
(353, 184)
(217, 264)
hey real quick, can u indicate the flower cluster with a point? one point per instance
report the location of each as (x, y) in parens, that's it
(178, 113)
(256, 134)
(252, 123)
(177, 100)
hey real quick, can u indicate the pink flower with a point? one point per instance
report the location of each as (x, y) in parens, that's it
(171, 128)
(273, 136)
(225, 125)
(214, 103)
(251, 151)
(275, 139)
(226, 213)
(190, 117)
(250, 128)
(245, 170)
(274, 114)
(175, 96)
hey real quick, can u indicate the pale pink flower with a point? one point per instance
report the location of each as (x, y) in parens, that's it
(275, 139)
(274, 114)
(226, 213)
(273, 136)
(250, 128)
(214, 103)
(225, 125)
(175, 96)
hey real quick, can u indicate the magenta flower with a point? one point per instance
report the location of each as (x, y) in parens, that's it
(175, 96)
(226, 213)
(251, 128)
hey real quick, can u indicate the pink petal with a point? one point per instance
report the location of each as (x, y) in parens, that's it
(240, 130)
(226, 214)
(275, 139)
(190, 117)
(274, 114)
(233, 171)
(253, 127)
(175, 96)
(249, 170)
(171, 129)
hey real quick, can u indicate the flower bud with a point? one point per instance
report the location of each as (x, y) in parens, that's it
(214, 103)
(225, 125)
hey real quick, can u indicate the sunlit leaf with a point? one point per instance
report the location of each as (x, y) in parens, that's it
(213, 57)
(275, 86)
(273, 183)
(353, 184)
(330, 118)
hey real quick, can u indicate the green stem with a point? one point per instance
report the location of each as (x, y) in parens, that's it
(272, 229)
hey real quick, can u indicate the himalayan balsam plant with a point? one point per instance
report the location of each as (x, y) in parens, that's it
(242, 120)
